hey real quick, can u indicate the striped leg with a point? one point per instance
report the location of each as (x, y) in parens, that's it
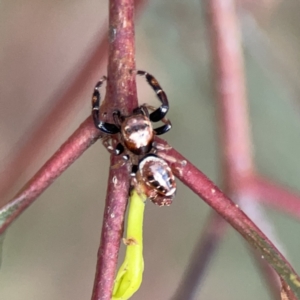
(105, 127)
(159, 113)
(162, 129)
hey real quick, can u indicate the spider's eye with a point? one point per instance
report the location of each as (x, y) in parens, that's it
(128, 130)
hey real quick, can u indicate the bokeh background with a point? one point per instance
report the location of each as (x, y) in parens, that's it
(50, 251)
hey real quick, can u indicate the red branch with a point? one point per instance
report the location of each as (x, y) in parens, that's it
(78, 142)
(286, 293)
(189, 175)
(206, 189)
(121, 94)
(267, 273)
(112, 231)
(227, 62)
(234, 133)
(272, 194)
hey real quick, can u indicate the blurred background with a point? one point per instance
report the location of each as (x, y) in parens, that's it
(50, 251)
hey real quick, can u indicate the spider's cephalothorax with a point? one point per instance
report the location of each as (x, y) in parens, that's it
(136, 130)
(155, 179)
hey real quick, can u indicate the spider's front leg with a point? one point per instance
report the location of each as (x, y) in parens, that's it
(105, 127)
(160, 112)
(159, 130)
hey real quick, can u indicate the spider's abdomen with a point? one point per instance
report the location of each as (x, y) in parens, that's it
(157, 179)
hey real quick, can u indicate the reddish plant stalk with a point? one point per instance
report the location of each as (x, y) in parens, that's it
(234, 133)
(121, 94)
(268, 274)
(230, 87)
(286, 293)
(112, 231)
(189, 175)
(204, 188)
(78, 142)
(227, 62)
(277, 196)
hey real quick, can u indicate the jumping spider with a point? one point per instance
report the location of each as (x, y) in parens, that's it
(151, 174)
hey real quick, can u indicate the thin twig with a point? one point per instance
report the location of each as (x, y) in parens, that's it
(112, 231)
(206, 189)
(78, 142)
(286, 293)
(227, 62)
(277, 196)
(234, 133)
(121, 94)
(269, 276)
(189, 175)
(237, 158)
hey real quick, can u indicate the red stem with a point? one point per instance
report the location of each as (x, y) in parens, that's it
(205, 188)
(227, 57)
(234, 133)
(231, 97)
(189, 175)
(78, 142)
(121, 94)
(277, 196)
(286, 293)
(112, 231)
(271, 278)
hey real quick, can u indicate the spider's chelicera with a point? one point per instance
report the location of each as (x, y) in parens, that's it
(151, 174)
